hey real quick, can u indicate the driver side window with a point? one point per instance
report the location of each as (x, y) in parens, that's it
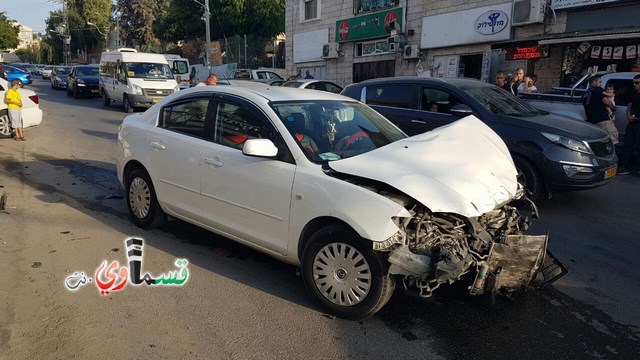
(437, 100)
(234, 124)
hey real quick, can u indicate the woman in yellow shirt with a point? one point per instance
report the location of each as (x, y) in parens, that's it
(14, 105)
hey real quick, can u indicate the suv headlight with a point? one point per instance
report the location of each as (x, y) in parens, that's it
(58, 78)
(137, 90)
(569, 143)
(80, 82)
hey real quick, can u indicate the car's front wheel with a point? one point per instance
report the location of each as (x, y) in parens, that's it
(142, 202)
(343, 273)
(5, 124)
(529, 177)
(126, 105)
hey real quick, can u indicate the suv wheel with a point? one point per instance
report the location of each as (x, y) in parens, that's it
(529, 177)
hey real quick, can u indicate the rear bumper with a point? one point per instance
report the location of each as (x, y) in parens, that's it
(31, 116)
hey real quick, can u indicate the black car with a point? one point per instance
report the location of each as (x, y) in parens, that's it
(551, 153)
(83, 81)
(59, 76)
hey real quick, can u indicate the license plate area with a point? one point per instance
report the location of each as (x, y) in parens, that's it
(610, 172)
(155, 99)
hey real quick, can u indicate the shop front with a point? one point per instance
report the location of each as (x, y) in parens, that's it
(465, 51)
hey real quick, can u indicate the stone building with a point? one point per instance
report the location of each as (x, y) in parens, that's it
(557, 40)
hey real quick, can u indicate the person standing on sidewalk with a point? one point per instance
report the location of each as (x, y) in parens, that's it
(14, 106)
(518, 79)
(632, 131)
(596, 107)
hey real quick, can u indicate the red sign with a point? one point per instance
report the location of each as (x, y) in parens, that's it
(527, 52)
(344, 30)
(391, 17)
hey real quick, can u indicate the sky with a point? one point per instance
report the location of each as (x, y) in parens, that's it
(31, 13)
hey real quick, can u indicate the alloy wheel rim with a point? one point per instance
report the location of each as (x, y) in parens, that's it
(5, 127)
(139, 198)
(341, 274)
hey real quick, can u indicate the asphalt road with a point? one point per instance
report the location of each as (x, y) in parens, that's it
(65, 214)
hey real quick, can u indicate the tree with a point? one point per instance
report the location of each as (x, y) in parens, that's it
(8, 33)
(137, 21)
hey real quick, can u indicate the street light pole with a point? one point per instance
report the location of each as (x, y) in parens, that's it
(66, 41)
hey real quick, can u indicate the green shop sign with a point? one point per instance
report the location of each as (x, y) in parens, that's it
(367, 26)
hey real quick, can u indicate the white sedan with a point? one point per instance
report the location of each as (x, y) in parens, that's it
(322, 85)
(326, 183)
(31, 112)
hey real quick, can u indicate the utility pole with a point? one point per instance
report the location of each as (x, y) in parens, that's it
(66, 39)
(207, 16)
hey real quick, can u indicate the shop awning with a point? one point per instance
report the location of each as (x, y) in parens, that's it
(612, 34)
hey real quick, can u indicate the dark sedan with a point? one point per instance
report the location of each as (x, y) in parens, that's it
(59, 77)
(551, 153)
(83, 81)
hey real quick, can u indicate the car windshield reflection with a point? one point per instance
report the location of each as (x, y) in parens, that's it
(502, 103)
(333, 130)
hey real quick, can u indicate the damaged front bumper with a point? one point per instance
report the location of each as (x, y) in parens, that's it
(434, 249)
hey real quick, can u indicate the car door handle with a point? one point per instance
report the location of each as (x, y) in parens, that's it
(414, 121)
(214, 162)
(157, 145)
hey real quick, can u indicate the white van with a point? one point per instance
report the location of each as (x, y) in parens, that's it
(138, 80)
(180, 68)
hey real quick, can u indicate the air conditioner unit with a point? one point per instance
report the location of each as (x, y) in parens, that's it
(410, 52)
(330, 50)
(528, 12)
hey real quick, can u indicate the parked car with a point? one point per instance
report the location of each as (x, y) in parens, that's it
(46, 72)
(552, 153)
(83, 80)
(31, 112)
(251, 74)
(568, 101)
(13, 72)
(59, 76)
(322, 181)
(322, 85)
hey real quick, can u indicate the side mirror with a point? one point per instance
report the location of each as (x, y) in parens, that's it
(260, 148)
(461, 110)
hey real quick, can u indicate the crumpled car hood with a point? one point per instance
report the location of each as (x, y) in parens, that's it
(463, 168)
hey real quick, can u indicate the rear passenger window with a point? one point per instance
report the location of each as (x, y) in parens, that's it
(185, 117)
(436, 100)
(402, 96)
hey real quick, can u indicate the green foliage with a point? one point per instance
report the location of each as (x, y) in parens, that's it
(137, 20)
(8, 33)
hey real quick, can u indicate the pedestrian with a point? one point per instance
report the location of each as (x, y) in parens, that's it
(501, 82)
(632, 131)
(528, 85)
(597, 106)
(517, 81)
(14, 106)
(610, 92)
(212, 79)
(308, 75)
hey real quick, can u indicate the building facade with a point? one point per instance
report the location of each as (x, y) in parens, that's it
(557, 40)
(25, 36)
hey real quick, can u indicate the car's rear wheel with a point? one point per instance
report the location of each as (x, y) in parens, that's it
(343, 273)
(529, 177)
(142, 202)
(5, 124)
(105, 99)
(126, 105)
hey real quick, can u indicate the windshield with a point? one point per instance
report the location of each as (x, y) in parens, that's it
(293, 84)
(63, 70)
(502, 103)
(148, 71)
(332, 130)
(87, 71)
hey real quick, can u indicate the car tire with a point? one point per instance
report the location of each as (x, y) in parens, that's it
(126, 105)
(76, 94)
(142, 203)
(529, 177)
(5, 124)
(331, 261)
(105, 99)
